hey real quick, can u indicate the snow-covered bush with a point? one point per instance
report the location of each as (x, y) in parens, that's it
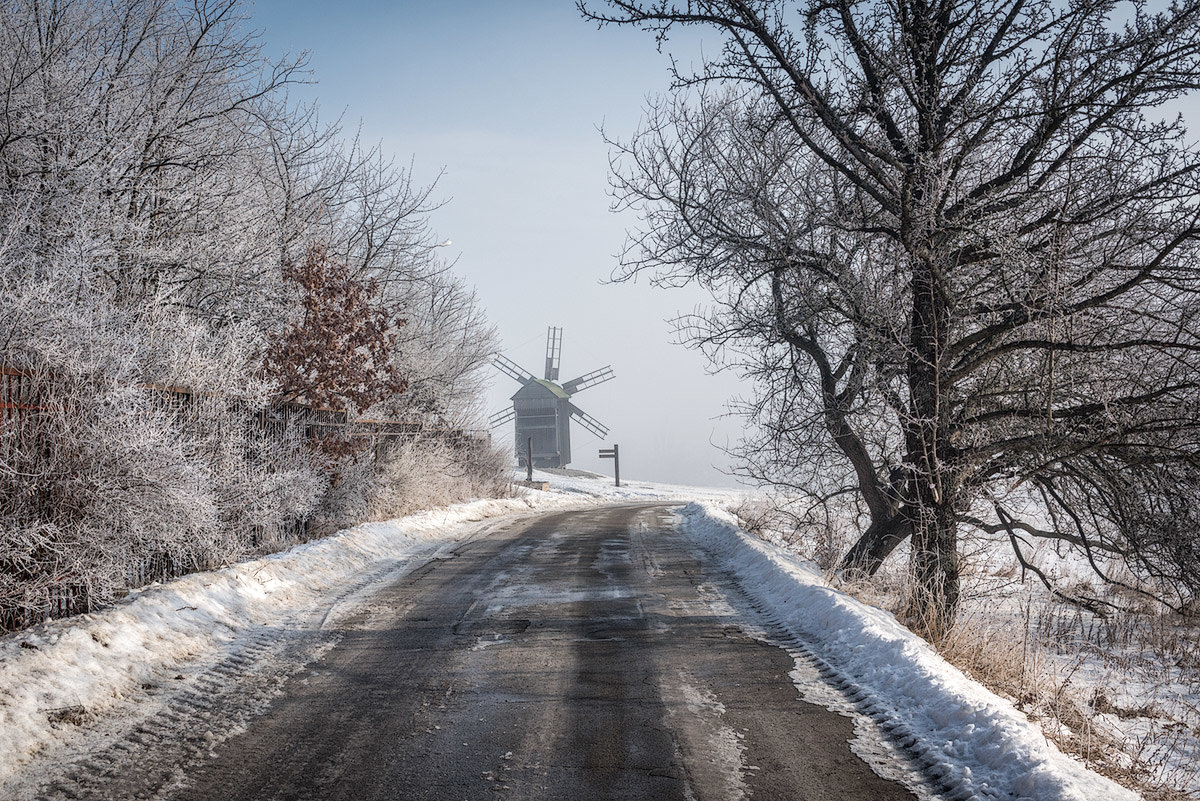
(159, 186)
(399, 477)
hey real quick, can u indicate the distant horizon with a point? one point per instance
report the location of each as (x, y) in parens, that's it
(523, 170)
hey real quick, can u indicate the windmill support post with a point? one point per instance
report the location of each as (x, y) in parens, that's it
(544, 486)
(613, 453)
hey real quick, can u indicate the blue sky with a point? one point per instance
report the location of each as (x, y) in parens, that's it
(506, 98)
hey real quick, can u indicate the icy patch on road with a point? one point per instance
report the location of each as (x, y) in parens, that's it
(518, 597)
(714, 753)
(970, 737)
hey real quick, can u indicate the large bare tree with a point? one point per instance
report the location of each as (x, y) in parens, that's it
(955, 243)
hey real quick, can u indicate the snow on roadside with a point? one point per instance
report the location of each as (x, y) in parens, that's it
(98, 661)
(979, 740)
(594, 485)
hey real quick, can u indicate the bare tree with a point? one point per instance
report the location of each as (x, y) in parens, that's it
(958, 241)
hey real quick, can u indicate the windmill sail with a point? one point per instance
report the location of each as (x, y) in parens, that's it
(588, 380)
(589, 422)
(501, 417)
(512, 369)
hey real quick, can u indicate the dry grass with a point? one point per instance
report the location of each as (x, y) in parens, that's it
(1158, 653)
(1009, 657)
(1073, 673)
(774, 519)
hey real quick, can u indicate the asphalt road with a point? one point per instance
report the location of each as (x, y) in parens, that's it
(574, 656)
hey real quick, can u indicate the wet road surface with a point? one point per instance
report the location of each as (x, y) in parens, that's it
(578, 655)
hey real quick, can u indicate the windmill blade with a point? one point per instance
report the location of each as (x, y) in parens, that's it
(553, 352)
(501, 417)
(589, 422)
(512, 369)
(588, 380)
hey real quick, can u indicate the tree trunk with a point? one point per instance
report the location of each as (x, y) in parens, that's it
(931, 495)
(934, 594)
(875, 545)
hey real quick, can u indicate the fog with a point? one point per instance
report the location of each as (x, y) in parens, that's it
(505, 102)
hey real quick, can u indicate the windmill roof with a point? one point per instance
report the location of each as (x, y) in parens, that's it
(549, 386)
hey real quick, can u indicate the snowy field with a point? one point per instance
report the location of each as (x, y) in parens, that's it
(1125, 690)
(87, 668)
(586, 484)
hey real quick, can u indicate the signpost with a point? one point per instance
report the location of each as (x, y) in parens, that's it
(613, 453)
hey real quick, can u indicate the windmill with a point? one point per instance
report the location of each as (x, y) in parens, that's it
(542, 407)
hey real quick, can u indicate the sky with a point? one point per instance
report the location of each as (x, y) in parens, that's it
(505, 101)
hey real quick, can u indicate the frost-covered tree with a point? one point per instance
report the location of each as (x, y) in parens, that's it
(955, 243)
(159, 193)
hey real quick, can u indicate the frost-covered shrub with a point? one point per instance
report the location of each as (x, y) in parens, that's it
(384, 481)
(109, 486)
(268, 483)
(426, 472)
(348, 499)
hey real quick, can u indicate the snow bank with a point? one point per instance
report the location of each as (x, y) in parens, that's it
(594, 485)
(99, 661)
(975, 739)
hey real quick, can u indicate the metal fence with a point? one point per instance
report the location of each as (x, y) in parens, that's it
(24, 446)
(22, 402)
